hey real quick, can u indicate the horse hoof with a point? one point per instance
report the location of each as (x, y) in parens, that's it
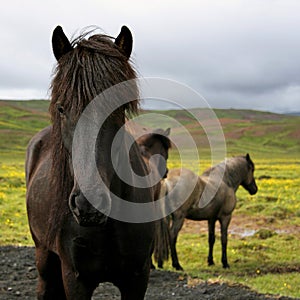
(178, 268)
(211, 263)
(226, 266)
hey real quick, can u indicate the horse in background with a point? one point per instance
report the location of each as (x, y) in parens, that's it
(227, 177)
(154, 147)
(77, 246)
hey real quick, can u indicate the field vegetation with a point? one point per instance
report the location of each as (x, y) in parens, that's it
(264, 240)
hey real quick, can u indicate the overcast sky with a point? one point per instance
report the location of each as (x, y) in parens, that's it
(237, 54)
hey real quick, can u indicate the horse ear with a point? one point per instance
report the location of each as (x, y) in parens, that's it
(60, 43)
(167, 132)
(124, 41)
(247, 157)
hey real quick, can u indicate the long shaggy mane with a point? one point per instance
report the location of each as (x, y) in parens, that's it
(95, 64)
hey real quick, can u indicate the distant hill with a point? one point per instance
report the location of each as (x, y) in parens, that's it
(251, 131)
(245, 130)
(19, 121)
(294, 113)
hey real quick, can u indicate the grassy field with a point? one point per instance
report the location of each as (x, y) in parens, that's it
(264, 241)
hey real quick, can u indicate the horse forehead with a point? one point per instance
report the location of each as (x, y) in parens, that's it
(160, 149)
(252, 167)
(157, 142)
(157, 145)
(71, 117)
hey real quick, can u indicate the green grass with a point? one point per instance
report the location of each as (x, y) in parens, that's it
(278, 182)
(266, 265)
(268, 262)
(19, 120)
(13, 219)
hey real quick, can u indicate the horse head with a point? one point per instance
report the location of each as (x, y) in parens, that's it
(249, 182)
(155, 147)
(86, 68)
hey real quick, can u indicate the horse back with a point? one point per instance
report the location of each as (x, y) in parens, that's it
(184, 188)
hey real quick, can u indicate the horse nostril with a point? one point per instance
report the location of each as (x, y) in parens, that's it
(166, 174)
(73, 205)
(72, 201)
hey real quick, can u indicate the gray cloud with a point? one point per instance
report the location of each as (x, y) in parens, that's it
(241, 54)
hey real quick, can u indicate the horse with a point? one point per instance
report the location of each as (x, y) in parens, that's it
(156, 143)
(76, 245)
(212, 198)
(154, 147)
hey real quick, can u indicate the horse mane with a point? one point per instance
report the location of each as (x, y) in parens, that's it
(231, 161)
(94, 64)
(215, 167)
(229, 164)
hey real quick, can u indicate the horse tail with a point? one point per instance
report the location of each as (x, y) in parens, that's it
(162, 241)
(162, 233)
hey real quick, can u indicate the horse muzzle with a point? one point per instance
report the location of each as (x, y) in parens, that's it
(252, 189)
(84, 212)
(166, 173)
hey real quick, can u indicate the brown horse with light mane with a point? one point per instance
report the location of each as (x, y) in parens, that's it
(211, 197)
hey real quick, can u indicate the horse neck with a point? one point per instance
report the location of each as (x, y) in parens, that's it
(235, 172)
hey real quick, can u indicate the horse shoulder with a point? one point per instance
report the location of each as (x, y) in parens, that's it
(34, 150)
(229, 200)
(209, 198)
(214, 200)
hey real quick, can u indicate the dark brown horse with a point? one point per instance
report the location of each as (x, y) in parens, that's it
(156, 143)
(211, 197)
(78, 246)
(154, 147)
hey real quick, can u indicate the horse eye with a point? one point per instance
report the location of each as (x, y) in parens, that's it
(60, 108)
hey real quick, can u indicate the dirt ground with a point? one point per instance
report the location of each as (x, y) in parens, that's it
(18, 278)
(242, 226)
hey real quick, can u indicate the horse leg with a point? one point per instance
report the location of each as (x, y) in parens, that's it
(174, 230)
(162, 241)
(134, 287)
(152, 266)
(224, 221)
(211, 241)
(50, 284)
(160, 264)
(75, 287)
